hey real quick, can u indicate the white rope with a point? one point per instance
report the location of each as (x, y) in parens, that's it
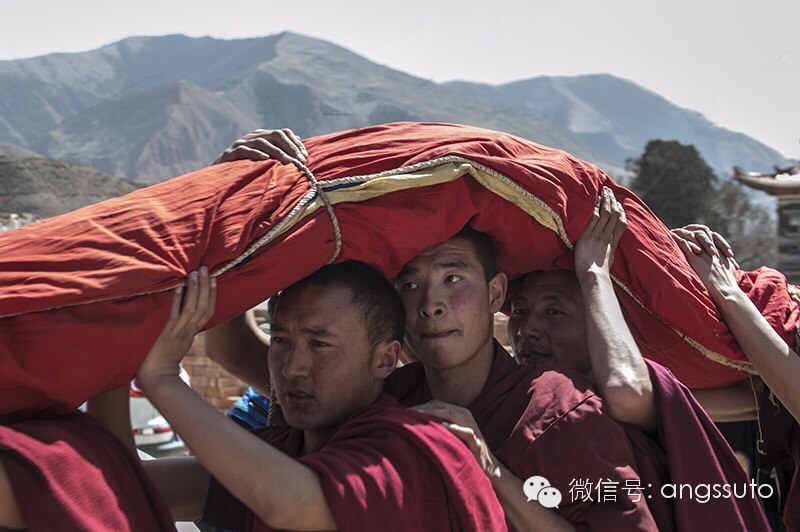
(337, 232)
(316, 189)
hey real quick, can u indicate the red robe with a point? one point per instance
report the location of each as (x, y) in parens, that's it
(781, 435)
(689, 450)
(552, 425)
(383, 468)
(71, 474)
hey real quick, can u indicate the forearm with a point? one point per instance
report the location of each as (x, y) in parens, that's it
(619, 370)
(776, 363)
(524, 515)
(280, 490)
(240, 348)
(729, 404)
(112, 409)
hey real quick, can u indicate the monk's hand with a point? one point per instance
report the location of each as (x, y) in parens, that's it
(187, 317)
(707, 240)
(462, 424)
(594, 251)
(716, 270)
(262, 144)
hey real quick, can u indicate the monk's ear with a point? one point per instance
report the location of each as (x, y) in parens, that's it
(386, 356)
(498, 285)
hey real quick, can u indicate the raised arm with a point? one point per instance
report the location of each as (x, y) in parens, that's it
(776, 363)
(182, 482)
(732, 403)
(281, 491)
(113, 410)
(619, 370)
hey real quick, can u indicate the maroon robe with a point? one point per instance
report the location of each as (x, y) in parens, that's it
(689, 450)
(781, 441)
(385, 467)
(552, 425)
(70, 473)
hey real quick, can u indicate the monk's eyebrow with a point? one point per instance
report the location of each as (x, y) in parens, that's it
(455, 263)
(406, 271)
(557, 297)
(319, 332)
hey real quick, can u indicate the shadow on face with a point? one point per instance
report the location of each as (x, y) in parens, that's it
(321, 359)
(547, 325)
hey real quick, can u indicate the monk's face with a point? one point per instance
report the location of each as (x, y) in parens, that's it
(320, 357)
(547, 326)
(449, 305)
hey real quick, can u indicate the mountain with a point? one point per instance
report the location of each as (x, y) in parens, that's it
(154, 107)
(10, 150)
(616, 117)
(43, 187)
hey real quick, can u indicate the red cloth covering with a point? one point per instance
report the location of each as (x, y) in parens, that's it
(552, 425)
(385, 468)
(100, 272)
(695, 454)
(70, 473)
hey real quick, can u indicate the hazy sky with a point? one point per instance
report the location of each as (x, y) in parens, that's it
(737, 62)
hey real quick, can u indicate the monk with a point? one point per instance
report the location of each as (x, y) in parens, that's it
(573, 320)
(350, 457)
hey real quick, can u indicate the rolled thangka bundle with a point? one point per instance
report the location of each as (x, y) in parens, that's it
(84, 295)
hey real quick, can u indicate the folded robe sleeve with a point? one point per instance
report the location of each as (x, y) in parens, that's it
(697, 455)
(586, 445)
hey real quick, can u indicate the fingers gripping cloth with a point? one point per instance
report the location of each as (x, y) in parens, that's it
(85, 295)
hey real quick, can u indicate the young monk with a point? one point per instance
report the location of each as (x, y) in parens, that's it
(350, 458)
(572, 320)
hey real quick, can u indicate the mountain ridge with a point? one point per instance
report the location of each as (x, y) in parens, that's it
(154, 107)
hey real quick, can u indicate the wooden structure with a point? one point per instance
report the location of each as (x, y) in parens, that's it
(783, 183)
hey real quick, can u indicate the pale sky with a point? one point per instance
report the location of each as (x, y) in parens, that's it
(735, 61)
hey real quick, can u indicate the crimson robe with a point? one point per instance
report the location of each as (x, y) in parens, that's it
(688, 449)
(71, 474)
(781, 441)
(384, 467)
(551, 424)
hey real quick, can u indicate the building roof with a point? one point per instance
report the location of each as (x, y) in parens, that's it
(780, 181)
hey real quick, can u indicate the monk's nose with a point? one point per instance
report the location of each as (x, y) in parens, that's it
(296, 364)
(529, 327)
(432, 305)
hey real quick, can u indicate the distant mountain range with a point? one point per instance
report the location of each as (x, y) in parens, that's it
(154, 107)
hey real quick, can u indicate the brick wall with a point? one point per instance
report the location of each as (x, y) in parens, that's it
(208, 379)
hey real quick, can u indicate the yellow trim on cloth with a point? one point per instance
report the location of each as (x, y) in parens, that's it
(428, 173)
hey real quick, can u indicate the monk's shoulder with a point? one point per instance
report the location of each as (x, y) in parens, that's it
(406, 383)
(556, 397)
